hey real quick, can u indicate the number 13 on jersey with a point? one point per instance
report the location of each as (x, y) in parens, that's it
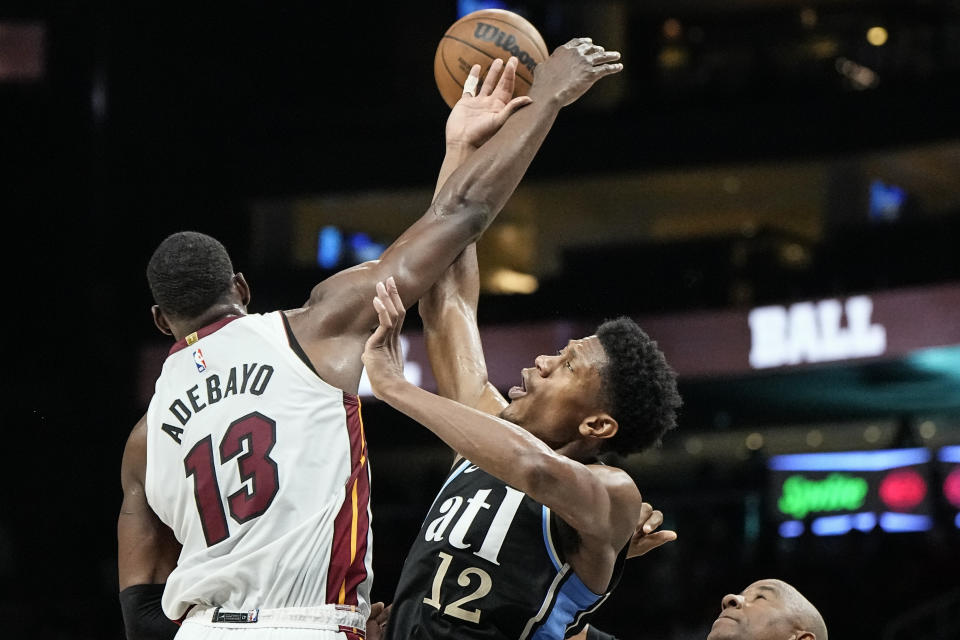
(254, 466)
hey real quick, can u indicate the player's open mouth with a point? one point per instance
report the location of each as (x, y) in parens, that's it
(518, 391)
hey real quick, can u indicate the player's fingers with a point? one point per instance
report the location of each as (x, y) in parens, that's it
(383, 616)
(575, 42)
(641, 546)
(660, 538)
(508, 79)
(587, 47)
(654, 521)
(604, 57)
(603, 70)
(517, 103)
(645, 510)
(383, 316)
(394, 294)
(493, 75)
(473, 79)
(385, 308)
(384, 297)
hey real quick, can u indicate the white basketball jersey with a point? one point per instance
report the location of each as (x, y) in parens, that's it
(260, 468)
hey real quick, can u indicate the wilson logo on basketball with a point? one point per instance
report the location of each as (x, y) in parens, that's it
(490, 33)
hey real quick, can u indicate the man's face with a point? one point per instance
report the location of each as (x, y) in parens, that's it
(761, 612)
(559, 392)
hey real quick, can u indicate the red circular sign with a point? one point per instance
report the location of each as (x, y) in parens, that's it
(951, 487)
(903, 490)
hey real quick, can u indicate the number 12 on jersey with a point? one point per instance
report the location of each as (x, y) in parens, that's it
(256, 466)
(455, 608)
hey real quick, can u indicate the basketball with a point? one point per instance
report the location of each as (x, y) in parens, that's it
(480, 38)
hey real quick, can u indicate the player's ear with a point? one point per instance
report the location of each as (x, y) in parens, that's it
(242, 288)
(160, 320)
(600, 425)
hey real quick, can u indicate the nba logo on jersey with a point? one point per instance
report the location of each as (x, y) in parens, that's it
(198, 360)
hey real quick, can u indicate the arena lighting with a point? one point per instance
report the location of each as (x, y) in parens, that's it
(943, 361)
(850, 460)
(951, 487)
(833, 493)
(505, 280)
(903, 522)
(469, 6)
(808, 17)
(949, 458)
(949, 454)
(364, 248)
(814, 332)
(864, 521)
(837, 492)
(832, 525)
(329, 247)
(336, 247)
(877, 36)
(838, 525)
(903, 489)
(886, 201)
(927, 429)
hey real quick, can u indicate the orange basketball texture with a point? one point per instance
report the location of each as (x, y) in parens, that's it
(480, 38)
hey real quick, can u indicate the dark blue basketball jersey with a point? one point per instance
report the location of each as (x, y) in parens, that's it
(488, 563)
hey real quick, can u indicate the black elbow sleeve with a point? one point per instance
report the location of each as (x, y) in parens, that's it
(143, 617)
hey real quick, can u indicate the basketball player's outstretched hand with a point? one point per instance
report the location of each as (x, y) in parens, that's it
(382, 355)
(646, 537)
(481, 111)
(572, 69)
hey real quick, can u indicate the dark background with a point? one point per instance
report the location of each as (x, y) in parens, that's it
(150, 120)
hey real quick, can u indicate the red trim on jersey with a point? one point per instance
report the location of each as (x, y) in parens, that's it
(353, 633)
(202, 333)
(349, 547)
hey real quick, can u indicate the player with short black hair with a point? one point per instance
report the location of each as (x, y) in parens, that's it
(529, 528)
(188, 273)
(639, 385)
(529, 532)
(246, 484)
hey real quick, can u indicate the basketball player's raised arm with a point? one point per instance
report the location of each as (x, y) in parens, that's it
(470, 199)
(449, 308)
(452, 337)
(601, 503)
(147, 550)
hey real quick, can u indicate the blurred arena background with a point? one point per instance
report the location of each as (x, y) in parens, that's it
(772, 188)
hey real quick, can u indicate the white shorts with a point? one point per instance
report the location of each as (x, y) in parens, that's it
(327, 622)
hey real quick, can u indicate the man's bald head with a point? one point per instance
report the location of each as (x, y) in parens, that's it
(804, 613)
(768, 609)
